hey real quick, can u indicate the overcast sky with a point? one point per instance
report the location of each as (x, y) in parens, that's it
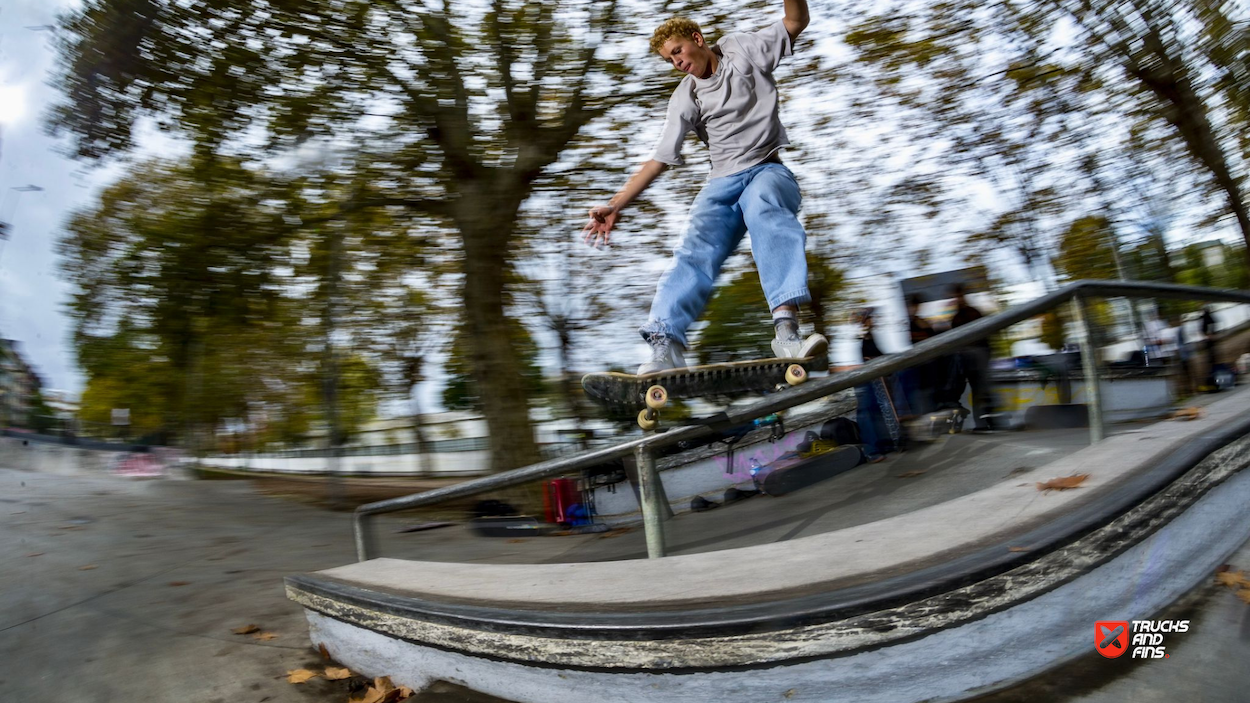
(32, 298)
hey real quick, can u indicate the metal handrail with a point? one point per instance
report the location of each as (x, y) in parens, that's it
(643, 448)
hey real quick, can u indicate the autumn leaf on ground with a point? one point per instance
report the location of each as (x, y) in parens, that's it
(1062, 484)
(1244, 595)
(245, 630)
(300, 675)
(382, 691)
(179, 583)
(88, 567)
(1190, 413)
(264, 636)
(1232, 579)
(337, 673)
(911, 474)
(325, 653)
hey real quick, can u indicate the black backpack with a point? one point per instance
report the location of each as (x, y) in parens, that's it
(842, 431)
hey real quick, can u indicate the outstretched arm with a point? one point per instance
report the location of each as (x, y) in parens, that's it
(603, 217)
(796, 17)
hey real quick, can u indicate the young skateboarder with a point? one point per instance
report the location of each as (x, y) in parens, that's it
(729, 99)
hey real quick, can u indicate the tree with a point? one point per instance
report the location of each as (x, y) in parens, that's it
(473, 103)
(470, 110)
(192, 294)
(1087, 250)
(1006, 99)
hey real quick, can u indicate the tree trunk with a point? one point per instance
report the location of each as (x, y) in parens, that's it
(1166, 76)
(485, 211)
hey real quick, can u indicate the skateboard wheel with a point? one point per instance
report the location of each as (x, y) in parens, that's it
(657, 397)
(648, 419)
(795, 374)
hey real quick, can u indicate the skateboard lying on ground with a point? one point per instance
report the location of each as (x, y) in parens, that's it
(931, 425)
(790, 474)
(650, 392)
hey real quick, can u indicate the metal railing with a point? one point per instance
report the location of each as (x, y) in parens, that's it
(644, 448)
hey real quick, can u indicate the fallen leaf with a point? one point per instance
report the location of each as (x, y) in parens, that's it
(1062, 484)
(245, 630)
(372, 695)
(35, 554)
(264, 636)
(179, 583)
(790, 693)
(405, 692)
(1017, 549)
(336, 673)
(300, 675)
(1244, 595)
(1231, 579)
(88, 567)
(911, 474)
(383, 684)
(325, 653)
(1190, 413)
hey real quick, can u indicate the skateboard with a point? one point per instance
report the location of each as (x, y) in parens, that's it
(931, 425)
(794, 472)
(651, 392)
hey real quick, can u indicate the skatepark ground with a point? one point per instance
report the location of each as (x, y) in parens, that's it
(118, 589)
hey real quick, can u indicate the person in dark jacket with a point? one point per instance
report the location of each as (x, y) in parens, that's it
(973, 362)
(916, 385)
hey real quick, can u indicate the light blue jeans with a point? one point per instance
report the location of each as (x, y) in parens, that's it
(763, 199)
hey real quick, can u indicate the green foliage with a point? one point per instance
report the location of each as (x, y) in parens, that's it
(191, 297)
(739, 322)
(1087, 250)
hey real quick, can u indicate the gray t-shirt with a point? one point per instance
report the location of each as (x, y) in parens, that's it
(735, 110)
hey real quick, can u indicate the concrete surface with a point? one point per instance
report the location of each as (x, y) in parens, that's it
(125, 630)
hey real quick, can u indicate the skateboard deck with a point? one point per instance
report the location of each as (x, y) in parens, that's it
(629, 391)
(793, 473)
(931, 425)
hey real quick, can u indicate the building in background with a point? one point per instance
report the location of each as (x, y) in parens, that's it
(19, 386)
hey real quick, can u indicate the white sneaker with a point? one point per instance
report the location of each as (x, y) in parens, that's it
(799, 348)
(666, 353)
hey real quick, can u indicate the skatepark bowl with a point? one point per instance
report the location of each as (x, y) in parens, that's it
(957, 568)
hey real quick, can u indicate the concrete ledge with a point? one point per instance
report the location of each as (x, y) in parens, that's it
(866, 553)
(974, 639)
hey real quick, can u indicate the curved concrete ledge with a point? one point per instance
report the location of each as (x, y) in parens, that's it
(431, 619)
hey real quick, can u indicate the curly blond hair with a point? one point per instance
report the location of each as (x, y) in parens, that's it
(678, 27)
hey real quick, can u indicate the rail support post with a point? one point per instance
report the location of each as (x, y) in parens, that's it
(652, 501)
(1089, 368)
(365, 542)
